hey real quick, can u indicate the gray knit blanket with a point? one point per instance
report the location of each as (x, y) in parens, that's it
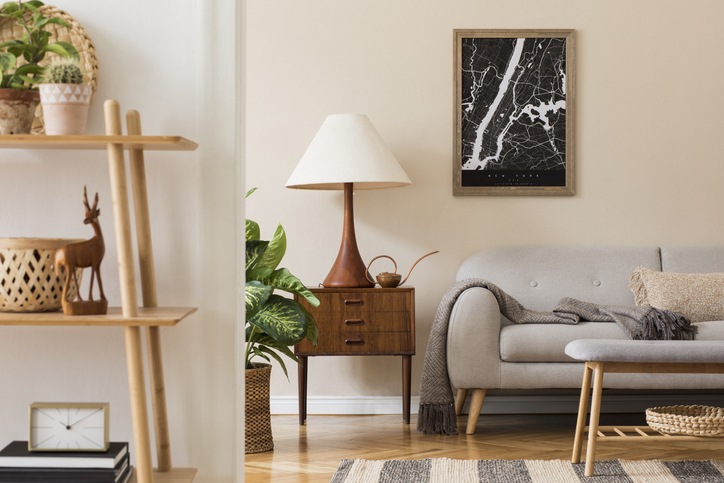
(436, 414)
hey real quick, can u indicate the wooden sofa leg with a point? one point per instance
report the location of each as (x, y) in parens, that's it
(476, 402)
(460, 401)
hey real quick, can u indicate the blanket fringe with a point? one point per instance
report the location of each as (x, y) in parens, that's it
(666, 325)
(437, 419)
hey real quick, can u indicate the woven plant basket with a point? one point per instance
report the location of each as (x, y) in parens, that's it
(28, 282)
(76, 36)
(687, 420)
(257, 417)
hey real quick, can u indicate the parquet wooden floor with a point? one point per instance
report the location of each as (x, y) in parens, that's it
(311, 453)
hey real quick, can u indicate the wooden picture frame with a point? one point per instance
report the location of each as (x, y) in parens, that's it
(513, 112)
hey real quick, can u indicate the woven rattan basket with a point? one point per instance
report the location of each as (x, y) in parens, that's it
(28, 282)
(257, 417)
(76, 36)
(687, 420)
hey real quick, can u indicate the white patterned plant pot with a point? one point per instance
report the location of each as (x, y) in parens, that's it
(65, 107)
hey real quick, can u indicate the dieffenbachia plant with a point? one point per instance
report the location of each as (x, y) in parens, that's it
(273, 323)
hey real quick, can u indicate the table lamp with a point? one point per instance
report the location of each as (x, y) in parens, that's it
(347, 153)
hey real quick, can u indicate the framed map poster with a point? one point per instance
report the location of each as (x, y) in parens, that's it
(513, 108)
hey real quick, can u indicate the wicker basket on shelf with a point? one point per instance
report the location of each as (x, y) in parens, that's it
(257, 417)
(76, 36)
(28, 282)
(687, 420)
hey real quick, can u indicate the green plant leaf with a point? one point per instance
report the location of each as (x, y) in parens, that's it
(254, 250)
(57, 48)
(283, 280)
(9, 8)
(59, 21)
(274, 253)
(277, 357)
(7, 61)
(282, 319)
(257, 352)
(27, 79)
(252, 230)
(265, 340)
(312, 334)
(255, 296)
(28, 69)
(250, 192)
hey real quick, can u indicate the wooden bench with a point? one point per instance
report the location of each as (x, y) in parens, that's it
(633, 356)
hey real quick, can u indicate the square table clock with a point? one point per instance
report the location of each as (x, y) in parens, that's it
(68, 427)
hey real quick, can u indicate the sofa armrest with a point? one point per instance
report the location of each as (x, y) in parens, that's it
(473, 341)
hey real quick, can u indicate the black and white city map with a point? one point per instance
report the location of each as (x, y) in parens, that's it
(513, 112)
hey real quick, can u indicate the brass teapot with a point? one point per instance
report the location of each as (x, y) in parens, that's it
(392, 280)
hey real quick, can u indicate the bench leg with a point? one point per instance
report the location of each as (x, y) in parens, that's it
(460, 401)
(476, 402)
(595, 414)
(582, 413)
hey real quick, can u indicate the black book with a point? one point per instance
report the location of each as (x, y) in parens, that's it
(16, 455)
(120, 474)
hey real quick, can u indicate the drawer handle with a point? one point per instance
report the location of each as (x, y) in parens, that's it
(354, 322)
(354, 341)
(353, 302)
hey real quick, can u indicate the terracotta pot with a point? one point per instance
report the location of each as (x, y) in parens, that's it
(65, 107)
(257, 417)
(17, 110)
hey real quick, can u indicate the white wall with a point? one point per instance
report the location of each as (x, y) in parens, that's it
(648, 163)
(173, 62)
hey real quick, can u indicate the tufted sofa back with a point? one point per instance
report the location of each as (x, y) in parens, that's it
(539, 276)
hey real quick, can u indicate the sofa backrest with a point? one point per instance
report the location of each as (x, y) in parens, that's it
(693, 259)
(539, 276)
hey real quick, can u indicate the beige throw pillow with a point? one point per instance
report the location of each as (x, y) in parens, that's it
(699, 296)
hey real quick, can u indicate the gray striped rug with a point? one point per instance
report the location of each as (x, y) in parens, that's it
(444, 470)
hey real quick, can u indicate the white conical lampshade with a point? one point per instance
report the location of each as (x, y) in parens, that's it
(347, 149)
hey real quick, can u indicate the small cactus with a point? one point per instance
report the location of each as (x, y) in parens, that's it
(63, 70)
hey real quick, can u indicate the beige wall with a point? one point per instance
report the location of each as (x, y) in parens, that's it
(648, 161)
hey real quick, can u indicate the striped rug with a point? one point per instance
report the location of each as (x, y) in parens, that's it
(444, 470)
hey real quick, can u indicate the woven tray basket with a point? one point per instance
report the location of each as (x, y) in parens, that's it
(27, 278)
(76, 36)
(257, 417)
(687, 420)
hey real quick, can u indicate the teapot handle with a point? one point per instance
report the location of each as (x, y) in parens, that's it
(413, 265)
(367, 272)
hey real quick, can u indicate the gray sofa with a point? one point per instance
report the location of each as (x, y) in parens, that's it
(486, 351)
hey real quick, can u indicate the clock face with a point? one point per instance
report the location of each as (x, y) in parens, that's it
(68, 428)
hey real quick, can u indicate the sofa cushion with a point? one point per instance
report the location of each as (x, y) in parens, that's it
(692, 259)
(539, 276)
(547, 342)
(699, 296)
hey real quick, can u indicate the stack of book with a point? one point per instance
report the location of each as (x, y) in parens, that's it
(18, 465)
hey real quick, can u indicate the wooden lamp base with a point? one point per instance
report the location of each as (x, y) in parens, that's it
(85, 307)
(348, 270)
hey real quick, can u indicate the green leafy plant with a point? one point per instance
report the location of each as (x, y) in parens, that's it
(273, 323)
(63, 70)
(32, 46)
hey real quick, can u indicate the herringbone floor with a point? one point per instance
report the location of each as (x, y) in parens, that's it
(312, 453)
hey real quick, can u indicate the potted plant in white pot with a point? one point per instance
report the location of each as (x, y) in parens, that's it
(18, 98)
(64, 96)
(273, 324)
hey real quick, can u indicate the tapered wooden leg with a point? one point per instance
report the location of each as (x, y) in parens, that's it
(595, 414)
(460, 401)
(139, 413)
(476, 402)
(302, 388)
(158, 398)
(582, 413)
(406, 386)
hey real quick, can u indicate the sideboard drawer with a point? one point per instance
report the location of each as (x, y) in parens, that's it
(358, 302)
(363, 322)
(353, 342)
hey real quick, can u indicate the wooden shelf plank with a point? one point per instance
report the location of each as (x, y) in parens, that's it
(152, 316)
(151, 143)
(176, 475)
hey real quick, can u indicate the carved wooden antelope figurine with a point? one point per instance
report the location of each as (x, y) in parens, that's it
(84, 254)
